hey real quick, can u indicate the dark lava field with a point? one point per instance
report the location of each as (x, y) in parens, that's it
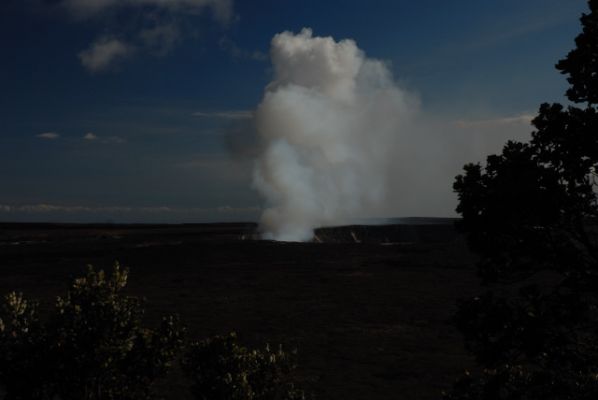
(367, 307)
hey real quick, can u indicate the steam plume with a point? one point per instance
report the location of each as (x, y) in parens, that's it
(326, 122)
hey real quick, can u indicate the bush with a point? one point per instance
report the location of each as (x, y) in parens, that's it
(92, 347)
(23, 373)
(222, 369)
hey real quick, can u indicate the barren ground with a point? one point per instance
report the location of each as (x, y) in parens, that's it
(370, 320)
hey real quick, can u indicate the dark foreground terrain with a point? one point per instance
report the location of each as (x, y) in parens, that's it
(366, 307)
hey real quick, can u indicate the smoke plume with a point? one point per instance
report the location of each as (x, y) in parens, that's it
(326, 122)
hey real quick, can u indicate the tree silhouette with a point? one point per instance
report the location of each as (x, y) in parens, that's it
(580, 63)
(531, 215)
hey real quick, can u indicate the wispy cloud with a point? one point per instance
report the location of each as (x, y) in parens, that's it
(92, 137)
(48, 135)
(497, 32)
(155, 27)
(160, 39)
(525, 27)
(111, 140)
(232, 114)
(104, 54)
(522, 119)
(237, 52)
(222, 9)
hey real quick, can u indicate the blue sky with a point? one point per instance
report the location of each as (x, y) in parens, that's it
(138, 112)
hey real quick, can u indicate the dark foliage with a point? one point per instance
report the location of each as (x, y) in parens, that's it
(580, 63)
(92, 347)
(23, 372)
(531, 214)
(222, 369)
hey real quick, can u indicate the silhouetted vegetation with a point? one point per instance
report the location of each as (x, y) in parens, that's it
(222, 369)
(531, 214)
(93, 346)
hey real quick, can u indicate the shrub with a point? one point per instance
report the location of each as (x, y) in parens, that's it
(92, 347)
(22, 346)
(222, 369)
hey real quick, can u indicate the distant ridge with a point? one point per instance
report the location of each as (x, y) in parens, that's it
(423, 221)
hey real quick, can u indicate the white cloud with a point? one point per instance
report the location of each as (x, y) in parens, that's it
(231, 114)
(104, 53)
(48, 135)
(90, 136)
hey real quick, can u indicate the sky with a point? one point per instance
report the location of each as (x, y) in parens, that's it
(141, 110)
